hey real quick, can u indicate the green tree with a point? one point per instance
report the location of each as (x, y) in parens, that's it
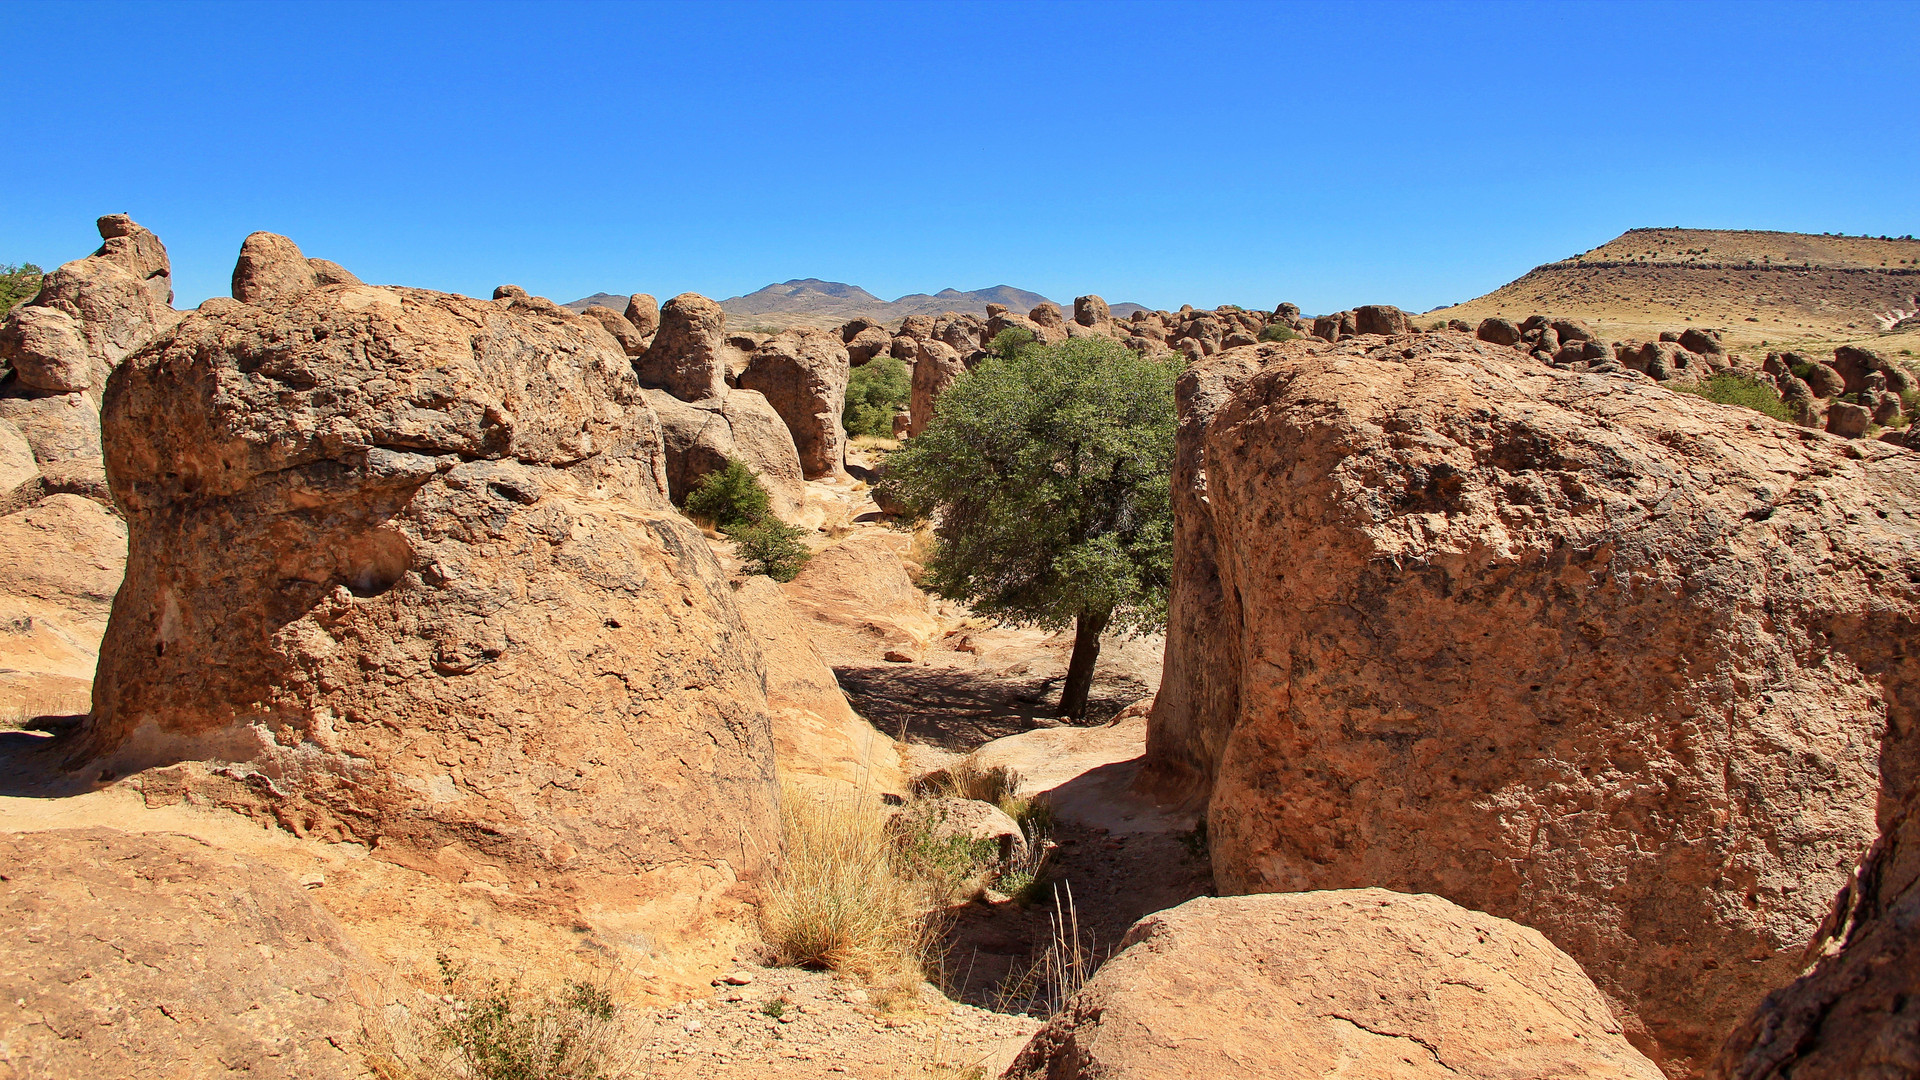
(1046, 472)
(728, 497)
(875, 391)
(18, 284)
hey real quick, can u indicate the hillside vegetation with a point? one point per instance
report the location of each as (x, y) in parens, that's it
(1758, 288)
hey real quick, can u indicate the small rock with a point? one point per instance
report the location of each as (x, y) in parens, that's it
(895, 656)
(313, 881)
(737, 978)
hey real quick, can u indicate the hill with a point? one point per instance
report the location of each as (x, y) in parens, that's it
(1759, 288)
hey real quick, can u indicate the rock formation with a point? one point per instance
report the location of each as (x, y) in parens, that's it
(1364, 983)
(803, 373)
(817, 737)
(643, 313)
(632, 341)
(1559, 646)
(699, 437)
(688, 356)
(271, 267)
(405, 561)
(859, 602)
(935, 366)
(160, 956)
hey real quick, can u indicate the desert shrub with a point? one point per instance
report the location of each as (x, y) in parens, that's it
(770, 546)
(729, 496)
(1010, 341)
(1278, 332)
(839, 897)
(493, 1030)
(875, 391)
(18, 284)
(1728, 388)
(942, 865)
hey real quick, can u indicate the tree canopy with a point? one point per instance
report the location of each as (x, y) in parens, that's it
(1046, 472)
(18, 284)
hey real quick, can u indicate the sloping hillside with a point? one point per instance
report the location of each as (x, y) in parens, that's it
(1769, 288)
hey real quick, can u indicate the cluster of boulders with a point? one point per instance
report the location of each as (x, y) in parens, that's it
(1557, 646)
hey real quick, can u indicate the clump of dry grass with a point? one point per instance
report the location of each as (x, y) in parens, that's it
(999, 785)
(841, 897)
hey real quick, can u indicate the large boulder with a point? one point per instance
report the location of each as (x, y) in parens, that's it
(935, 366)
(404, 562)
(1856, 367)
(90, 313)
(818, 740)
(1852, 1015)
(698, 437)
(271, 267)
(803, 372)
(1091, 311)
(689, 353)
(1380, 319)
(632, 341)
(1559, 646)
(867, 343)
(61, 560)
(160, 956)
(643, 313)
(859, 602)
(1364, 983)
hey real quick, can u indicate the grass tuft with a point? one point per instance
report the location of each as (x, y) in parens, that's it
(1728, 388)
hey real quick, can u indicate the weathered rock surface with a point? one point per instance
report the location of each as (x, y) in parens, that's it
(161, 956)
(868, 343)
(1558, 646)
(965, 819)
(935, 366)
(643, 312)
(271, 267)
(90, 313)
(803, 373)
(817, 737)
(859, 601)
(1365, 983)
(61, 559)
(632, 341)
(416, 576)
(699, 437)
(688, 356)
(1380, 319)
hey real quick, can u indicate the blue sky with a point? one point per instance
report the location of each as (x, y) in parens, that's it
(1406, 153)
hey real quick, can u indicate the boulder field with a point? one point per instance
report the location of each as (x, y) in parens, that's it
(402, 571)
(1561, 646)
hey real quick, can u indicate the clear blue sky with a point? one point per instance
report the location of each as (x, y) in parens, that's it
(1414, 154)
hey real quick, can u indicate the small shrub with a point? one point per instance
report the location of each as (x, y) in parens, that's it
(775, 1008)
(1729, 388)
(770, 546)
(839, 898)
(729, 496)
(18, 284)
(943, 865)
(494, 1030)
(1010, 341)
(1278, 332)
(875, 391)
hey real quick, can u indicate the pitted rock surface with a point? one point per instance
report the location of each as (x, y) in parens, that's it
(406, 560)
(1364, 982)
(1559, 646)
(803, 373)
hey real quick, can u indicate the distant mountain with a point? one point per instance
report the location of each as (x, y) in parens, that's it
(814, 302)
(599, 299)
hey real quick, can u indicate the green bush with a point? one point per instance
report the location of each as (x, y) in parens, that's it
(18, 284)
(499, 1031)
(1010, 341)
(770, 546)
(1278, 332)
(728, 497)
(875, 392)
(1728, 388)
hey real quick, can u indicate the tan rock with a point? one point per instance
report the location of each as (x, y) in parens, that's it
(1091, 311)
(643, 311)
(160, 956)
(688, 355)
(942, 819)
(418, 574)
(509, 292)
(935, 366)
(61, 560)
(817, 737)
(1363, 983)
(803, 372)
(698, 438)
(632, 341)
(1852, 1015)
(270, 267)
(1380, 319)
(140, 253)
(858, 600)
(17, 465)
(868, 343)
(1559, 646)
(46, 351)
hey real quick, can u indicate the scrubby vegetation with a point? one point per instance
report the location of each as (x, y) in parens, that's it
(489, 1029)
(18, 284)
(1730, 388)
(1278, 332)
(734, 501)
(1047, 471)
(875, 391)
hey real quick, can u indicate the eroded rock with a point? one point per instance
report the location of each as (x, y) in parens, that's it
(1558, 646)
(1364, 983)
(803, 373)
(689, 353)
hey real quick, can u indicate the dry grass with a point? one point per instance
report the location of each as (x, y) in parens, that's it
(494, 1029)
(1059, 971)
(841, 898)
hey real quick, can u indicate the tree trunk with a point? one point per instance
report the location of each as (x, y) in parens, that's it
(1086, 650)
